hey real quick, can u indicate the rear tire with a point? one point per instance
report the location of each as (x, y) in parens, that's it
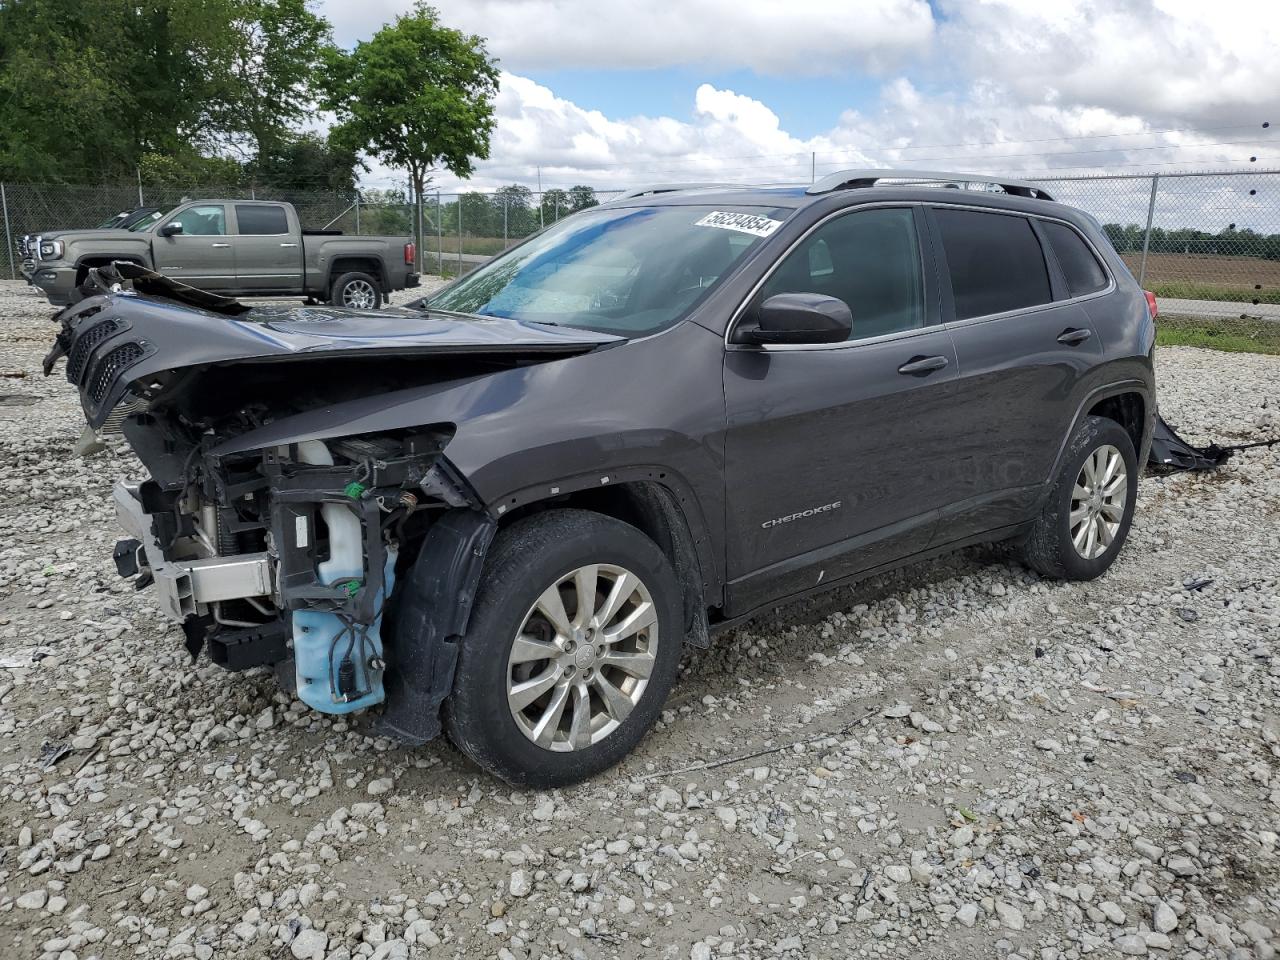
(599, 687)
(358, 291)
(1087, 515)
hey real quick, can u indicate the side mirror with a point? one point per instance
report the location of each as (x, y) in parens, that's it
(798, 318)
(171, 229)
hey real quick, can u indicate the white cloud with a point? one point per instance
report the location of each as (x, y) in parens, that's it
(1176, 61)
(735, 138)
(998, 85)
(824, 36)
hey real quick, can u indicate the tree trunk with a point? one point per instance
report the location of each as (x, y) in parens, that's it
(416, 174)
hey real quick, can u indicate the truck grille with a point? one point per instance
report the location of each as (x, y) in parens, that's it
(84, 345)
(106, 370)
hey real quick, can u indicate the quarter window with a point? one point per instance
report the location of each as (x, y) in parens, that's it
(995, 262)
(256, 220)
(869, 259)
(1083, 272)
(203, 221)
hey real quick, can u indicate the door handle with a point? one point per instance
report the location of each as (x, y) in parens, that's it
(922, 365)
(220, 246)
(288, 244)
(1074, 335)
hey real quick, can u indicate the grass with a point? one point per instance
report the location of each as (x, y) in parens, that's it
(1192, 290)
(1232, 336)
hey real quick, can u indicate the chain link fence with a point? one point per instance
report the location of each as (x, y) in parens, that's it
(1203, 236)
(1213, 237)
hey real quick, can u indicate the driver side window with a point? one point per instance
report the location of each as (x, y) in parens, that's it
(870, 259)
(209, 220)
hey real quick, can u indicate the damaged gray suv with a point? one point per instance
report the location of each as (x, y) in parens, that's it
(502, 512)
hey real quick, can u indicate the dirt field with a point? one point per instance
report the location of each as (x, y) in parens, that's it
(1206, 277)
(960, 760)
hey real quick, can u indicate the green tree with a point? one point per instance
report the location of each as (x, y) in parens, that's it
(555, 204)
(513, 211)
(306, 161)
(268, 81)
(477, 215)
(581, 197)
(418, 96)
(89, 87)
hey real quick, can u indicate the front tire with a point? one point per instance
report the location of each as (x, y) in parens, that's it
(1087, 515)
(573, 645)
(358, 291)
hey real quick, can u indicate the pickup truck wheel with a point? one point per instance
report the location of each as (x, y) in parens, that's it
(1086, 517)
(573, 645)
(356, 290)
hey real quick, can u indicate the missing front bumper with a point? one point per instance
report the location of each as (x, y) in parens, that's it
(188, 588)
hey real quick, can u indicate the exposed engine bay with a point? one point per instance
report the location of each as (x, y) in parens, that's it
(288, 554)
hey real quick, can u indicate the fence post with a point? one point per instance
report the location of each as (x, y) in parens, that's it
(419, 233)
(357, 213)
(459, 234)
(1146, 237)
(439, 235)
(138, 171)
(504, 223)
(8, 237)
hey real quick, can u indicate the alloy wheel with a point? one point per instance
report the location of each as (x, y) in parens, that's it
(359, 294)
(1097, 502)
(582, 657)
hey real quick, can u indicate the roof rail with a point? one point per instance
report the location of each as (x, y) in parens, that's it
(667, 188)
(851, 179)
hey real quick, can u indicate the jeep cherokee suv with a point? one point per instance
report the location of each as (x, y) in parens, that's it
(502, 511)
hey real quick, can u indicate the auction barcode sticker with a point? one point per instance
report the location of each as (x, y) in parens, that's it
(742, 222)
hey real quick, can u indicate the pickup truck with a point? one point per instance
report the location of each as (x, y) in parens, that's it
(120, 221)
(244, 248)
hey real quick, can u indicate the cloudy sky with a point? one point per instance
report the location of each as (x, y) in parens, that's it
(614, 94)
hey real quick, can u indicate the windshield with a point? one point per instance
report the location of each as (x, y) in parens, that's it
(625, 271)
(147, 222)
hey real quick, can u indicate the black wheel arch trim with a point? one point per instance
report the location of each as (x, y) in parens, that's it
(1097, 394)
(684, 502)
(434, 608)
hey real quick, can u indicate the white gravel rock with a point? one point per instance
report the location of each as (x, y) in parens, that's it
(956, 757)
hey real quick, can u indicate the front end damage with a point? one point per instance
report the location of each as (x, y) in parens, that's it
(285, 557)
(346, 563)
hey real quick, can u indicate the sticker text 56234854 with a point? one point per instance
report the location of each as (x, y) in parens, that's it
(741, 222)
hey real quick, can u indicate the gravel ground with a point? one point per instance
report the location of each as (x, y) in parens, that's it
(958, 760)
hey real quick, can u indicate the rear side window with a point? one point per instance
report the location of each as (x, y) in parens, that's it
(259, 221)
(1083, 272)
(995, 261)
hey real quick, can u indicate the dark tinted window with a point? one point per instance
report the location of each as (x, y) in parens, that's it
(870, 260)
(995, 261)
(1081, 268)
(257, 221)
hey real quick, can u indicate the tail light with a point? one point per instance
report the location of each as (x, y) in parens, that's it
(411, 255)
(1151, 304)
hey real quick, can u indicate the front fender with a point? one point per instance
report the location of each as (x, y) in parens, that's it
(650, 409)
(79, 252)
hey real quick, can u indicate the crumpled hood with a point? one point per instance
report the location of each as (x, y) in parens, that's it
(115, 339)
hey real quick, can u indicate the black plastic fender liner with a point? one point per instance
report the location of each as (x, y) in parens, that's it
(434, 609)
(1169, 452)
